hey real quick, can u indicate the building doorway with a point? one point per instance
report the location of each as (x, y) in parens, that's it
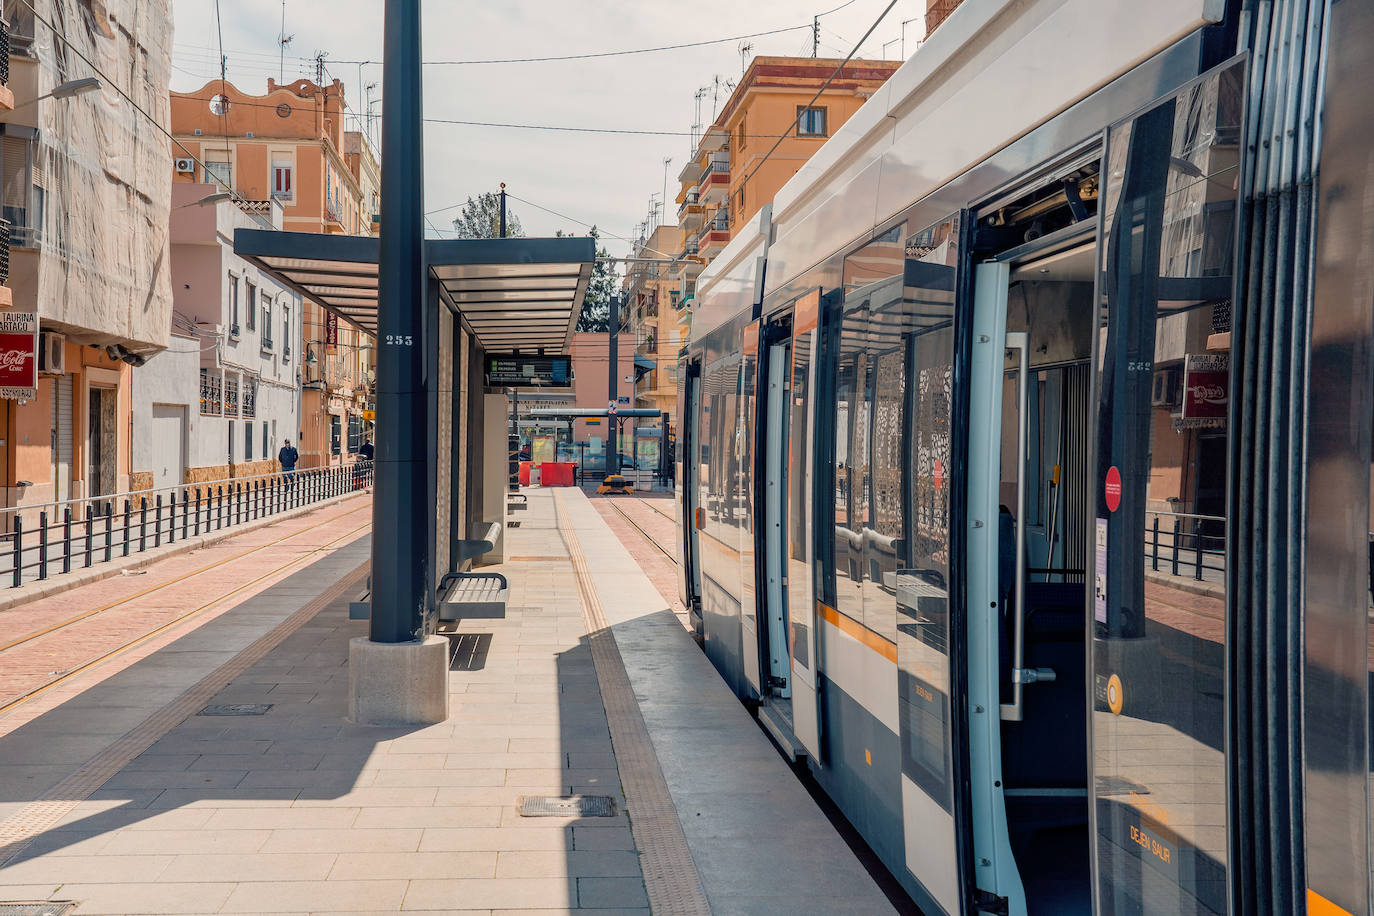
(102, 442)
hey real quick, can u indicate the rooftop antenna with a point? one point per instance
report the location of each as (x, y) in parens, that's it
(667, 161)
(319, 67)
(815, 34)
(283, 40)
(696, 126)
(744, 50)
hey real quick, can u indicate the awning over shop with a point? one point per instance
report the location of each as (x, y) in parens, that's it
(514, 294)
(643, 362)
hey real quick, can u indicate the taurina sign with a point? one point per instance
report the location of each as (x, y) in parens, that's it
(1206, 387)
(18, 355)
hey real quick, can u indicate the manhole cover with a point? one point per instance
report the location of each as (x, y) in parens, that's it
(38, 908)
(235, 709)
(565, 806)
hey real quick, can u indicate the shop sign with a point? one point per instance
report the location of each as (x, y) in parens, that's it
(514, 370)
(1206, 390)
(331, 330)
(18, 355)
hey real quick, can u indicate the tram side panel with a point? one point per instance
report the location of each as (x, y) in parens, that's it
(723, 515)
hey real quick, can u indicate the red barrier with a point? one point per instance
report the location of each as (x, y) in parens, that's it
(525, 473)
(557, 473)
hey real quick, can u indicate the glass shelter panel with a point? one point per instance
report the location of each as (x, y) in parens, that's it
(1159, 543)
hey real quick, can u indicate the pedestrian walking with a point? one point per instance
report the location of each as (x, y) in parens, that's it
(288, 456)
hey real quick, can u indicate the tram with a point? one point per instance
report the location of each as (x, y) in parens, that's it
(1025, 452)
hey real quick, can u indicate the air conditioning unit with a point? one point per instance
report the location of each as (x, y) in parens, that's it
(52, 353)
(186, 166)
(1165, 390)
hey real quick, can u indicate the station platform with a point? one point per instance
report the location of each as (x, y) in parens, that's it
(217, 773)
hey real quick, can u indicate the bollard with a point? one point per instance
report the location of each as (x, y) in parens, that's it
(1197, 538)
(43, 544)
(172, 518)
(1178, 529)
(185, 504)
(66, 539)
(157, 522)
(1155, 559)
(18, 550)
(90, 517)
(128, 508)
(197, 511)
(142, 524)
(109, 528)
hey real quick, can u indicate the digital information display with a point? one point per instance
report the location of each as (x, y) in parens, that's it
(509, 370)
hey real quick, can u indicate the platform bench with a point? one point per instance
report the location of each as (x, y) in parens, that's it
(471, 596)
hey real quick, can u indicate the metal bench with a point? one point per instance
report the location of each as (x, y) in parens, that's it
(469, 595)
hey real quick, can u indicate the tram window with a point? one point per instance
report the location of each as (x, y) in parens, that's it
(1159, 605)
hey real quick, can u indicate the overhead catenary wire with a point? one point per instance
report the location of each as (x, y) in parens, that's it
(802, 109)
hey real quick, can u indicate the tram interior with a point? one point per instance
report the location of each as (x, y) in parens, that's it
(1045, 753)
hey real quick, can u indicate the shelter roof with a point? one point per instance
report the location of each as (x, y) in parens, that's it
(514, 294)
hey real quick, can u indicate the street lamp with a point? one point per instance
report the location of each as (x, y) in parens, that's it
(68, 89)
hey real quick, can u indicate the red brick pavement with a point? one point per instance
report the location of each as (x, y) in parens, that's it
(197, 586)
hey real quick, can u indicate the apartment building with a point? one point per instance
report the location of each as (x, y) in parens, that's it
(221, 400)
(85, 194)
(653, 315)
(728, 178)
(290, 145)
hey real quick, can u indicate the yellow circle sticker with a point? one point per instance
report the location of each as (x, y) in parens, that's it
(1115, 696)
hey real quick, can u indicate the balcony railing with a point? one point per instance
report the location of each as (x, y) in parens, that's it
(4, 247)
(4, 53)
(231, 396)
(720, 223)
(719, 167)
(691, 200)
(211, 401)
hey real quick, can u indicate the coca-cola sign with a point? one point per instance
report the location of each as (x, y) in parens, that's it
(1206, 386)
(18, 355)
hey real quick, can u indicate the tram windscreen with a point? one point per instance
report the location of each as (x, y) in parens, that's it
(1158, 571)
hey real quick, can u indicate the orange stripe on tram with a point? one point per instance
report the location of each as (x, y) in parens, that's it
(847, 625)
(1317, 905)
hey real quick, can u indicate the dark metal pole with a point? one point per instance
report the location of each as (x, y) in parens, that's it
(400, 561)
(613, 326)
(503, 209)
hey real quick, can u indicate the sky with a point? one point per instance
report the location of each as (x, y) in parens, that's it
(605, 179)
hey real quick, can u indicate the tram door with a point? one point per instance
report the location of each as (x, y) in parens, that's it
(1031, 528)
(689, 481)
(776, 653)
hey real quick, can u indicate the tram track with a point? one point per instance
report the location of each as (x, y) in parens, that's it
(643, 533)
(7, 705)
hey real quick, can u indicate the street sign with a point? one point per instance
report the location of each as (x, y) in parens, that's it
(611, 409)
(512, 370)
(369, 414)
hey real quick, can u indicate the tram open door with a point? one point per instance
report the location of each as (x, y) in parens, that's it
(689, 483)
(1029, 529)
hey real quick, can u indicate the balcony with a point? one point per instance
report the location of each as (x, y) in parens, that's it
(715, 184)
(715, 236)
(692, 171)
(689, 215)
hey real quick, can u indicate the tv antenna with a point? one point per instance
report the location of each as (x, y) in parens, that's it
(744, 50)
(283, 40)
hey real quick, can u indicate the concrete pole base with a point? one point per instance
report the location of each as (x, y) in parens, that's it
(398, 683)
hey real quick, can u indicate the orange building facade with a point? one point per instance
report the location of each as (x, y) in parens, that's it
(290, 145)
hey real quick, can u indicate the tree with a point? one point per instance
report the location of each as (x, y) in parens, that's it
(596, 308)
(480, 218)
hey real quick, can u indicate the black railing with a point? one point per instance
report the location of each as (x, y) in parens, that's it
(1192, 544)
(4, 248)
(4, 53)
(56, 538)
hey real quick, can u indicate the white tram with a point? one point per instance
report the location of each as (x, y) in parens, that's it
(1026, 450)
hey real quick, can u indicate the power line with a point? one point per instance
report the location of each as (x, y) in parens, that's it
(802, 110)
(106, 81)
(574, 219)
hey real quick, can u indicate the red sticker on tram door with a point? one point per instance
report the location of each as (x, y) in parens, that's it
(939, 474)
(1113, 488)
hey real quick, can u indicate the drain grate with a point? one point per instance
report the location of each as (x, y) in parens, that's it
(235, 709)
(565, 806)
(38, 908)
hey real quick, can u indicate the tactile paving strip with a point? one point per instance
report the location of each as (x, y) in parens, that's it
(55, 804)
(670, 876)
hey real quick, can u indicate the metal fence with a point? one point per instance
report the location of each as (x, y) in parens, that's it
(1193, 544)
(55, 538)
